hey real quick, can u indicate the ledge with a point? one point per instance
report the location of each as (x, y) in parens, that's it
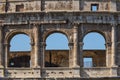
(103, 78)
(60, 11)
(56, 68)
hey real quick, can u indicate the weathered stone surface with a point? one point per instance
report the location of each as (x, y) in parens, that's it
(75, 19)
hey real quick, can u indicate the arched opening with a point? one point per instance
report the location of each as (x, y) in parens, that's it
(94, 50)
(19, 51)
(57, 51)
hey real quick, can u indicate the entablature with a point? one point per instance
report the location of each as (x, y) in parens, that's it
(60, 18)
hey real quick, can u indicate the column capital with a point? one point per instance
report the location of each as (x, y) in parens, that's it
(6, 44)
(75, 24)
(114, 24)
(81, 43)
(35, 24)
(32, 43)
(108, 44)
(70, 44)
(43, 43)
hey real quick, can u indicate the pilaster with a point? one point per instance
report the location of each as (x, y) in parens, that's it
(6, 54)
(108, 54)
(113, 49)
(75, 46)
(43, 46)
(1, 47)
(37, 47)
(81, 53)
(70, 54)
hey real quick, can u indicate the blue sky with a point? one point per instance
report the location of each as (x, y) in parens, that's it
(94, 41)
(57, 41)
(21, 42)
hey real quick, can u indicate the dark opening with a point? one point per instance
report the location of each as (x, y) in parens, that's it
(21, 61)
(94, 7)
(19, 8)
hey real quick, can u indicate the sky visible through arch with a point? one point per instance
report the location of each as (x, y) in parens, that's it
(20, 42)
(59, 41)
(94, 41)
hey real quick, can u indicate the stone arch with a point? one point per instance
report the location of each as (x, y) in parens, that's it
(58, 55)
(55, 31)
(95, 53)
(8, 39)
(97, 31)
(15, 32)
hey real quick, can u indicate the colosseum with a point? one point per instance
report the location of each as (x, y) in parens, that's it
(38, 19)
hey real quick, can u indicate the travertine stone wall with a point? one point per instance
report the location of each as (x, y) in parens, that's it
(96, 72)
(23, 73)
(56, 5)
(40, 18)
(39, 25)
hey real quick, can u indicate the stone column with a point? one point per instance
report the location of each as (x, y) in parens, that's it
(43, 54)
(81, 59)
(37, 47)
(75, 47)
(81, 53)
(1, 47)
(70, 55)
(32, 57)
(113, 49)
(6, 54)
(108, 54)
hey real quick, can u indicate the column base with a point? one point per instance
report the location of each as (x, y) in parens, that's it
(114, 72)
(1, 66)
(37, 66)
(76, 66)
(114, 66)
